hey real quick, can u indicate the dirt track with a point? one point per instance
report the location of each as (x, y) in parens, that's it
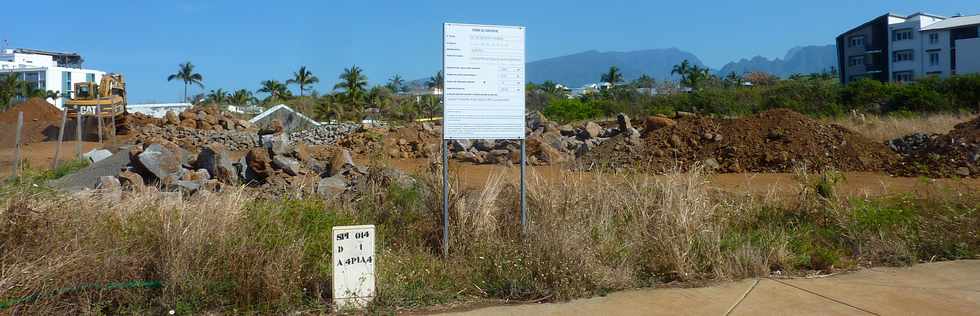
(40, 155)
(778, 185)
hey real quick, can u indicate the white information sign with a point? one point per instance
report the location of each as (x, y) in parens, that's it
(483, 69)
(353, 266)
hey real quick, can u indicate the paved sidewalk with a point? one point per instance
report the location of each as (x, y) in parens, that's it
(945, 288)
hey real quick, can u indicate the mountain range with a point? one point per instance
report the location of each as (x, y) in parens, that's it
(583, 68)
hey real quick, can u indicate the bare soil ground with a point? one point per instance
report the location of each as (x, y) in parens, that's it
(40, 155)
(774, 185)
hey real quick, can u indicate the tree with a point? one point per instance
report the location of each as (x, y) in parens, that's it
(733, 79)
(435, 82)
(217, 97)
(242, 97)
(759, 78)
(613, 76)
(396, 84)
(644, 81)
(682, 69)
(9, 87)
(303, 78)
(185, 73)
(276, 90)
(353, 83)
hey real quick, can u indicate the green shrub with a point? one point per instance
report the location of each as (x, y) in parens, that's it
(569, 110)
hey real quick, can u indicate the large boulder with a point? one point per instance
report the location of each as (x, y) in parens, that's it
(332, 187)
(171, 118)
(460, 144)
(214, 158)
(257, 160)
(341, 162)
(657, 122)
(624, 122)
(592, 130)
(277, 144)
(160, 161)
(288, 165)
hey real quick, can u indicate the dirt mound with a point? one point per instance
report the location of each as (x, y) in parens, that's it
(954, 154)
(772, 141)
(41, 121)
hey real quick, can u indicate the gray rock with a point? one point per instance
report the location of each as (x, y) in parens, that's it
(160, 161)
(95, 155)
(288, 165)
(341, 163)
(460, 144)
(215, 160)
(711, 164)
(332, 187)
(624, 122)
(591, 130)
(187, 187)
(963, 171)
(566, 130)
(108, 183)
(277, 144)
(484, 145)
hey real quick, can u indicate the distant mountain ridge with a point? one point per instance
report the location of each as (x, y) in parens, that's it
(587, 67)
(802, 60)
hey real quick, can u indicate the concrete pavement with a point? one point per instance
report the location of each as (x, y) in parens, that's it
(944, 288)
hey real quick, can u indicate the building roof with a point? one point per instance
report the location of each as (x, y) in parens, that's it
(953, 22)
(63, 59)
(927, 14)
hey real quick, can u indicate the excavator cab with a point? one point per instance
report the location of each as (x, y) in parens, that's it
(85, 91)
(106, 99)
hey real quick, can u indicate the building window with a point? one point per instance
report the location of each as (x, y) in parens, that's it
(934, 38)
(66, 83)
(89, 77)
(902, 55)
(856, 41)
(902, 76)
(855, 60)
(933, 58)
(901, 35)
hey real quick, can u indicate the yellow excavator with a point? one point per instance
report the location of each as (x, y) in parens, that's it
(104, 100)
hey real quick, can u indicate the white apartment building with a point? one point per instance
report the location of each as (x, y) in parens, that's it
(898, 48)
(50, 71)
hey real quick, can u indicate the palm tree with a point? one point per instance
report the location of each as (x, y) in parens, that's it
(435, 82)
(303, 78)
(217, 97)
(276, 90)
(396, 84)
(353, 83)
(242, 97)
(645, 81)
(682, 69)
(733, 79)
(613, 77)
(185, 73)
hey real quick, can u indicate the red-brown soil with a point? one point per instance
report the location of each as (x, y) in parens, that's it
(41, 120)
(771, 141)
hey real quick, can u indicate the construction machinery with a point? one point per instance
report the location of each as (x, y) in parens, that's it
(103, 101)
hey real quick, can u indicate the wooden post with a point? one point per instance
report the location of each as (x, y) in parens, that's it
(98, 114)
(61, 137)
(20, 125)
(78, 133)
(113, 126)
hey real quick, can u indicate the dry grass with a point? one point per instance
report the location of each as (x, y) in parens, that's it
(884, 128)
(229, 253)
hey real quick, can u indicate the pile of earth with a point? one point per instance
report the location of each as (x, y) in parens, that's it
(547, 142)
(773, 141)
(956, 153)
(41, 120)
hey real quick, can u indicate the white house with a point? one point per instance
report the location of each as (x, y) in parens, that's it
(896, 48)
(50, 71)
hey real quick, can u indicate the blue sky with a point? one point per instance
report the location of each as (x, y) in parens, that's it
(236, 44)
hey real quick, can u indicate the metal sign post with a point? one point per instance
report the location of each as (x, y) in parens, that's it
(483, 94)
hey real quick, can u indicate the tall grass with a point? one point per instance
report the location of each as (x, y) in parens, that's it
(884, 128)
(230, 252)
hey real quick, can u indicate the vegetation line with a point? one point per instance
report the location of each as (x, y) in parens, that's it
(152, 284)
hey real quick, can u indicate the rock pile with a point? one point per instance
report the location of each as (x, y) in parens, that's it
(941, 155)
(327, 134)
(772, 141)
(190, 138)
(206, 118)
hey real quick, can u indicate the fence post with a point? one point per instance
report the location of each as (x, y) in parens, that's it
(20, 125)
(61, 137)
(78, 133)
